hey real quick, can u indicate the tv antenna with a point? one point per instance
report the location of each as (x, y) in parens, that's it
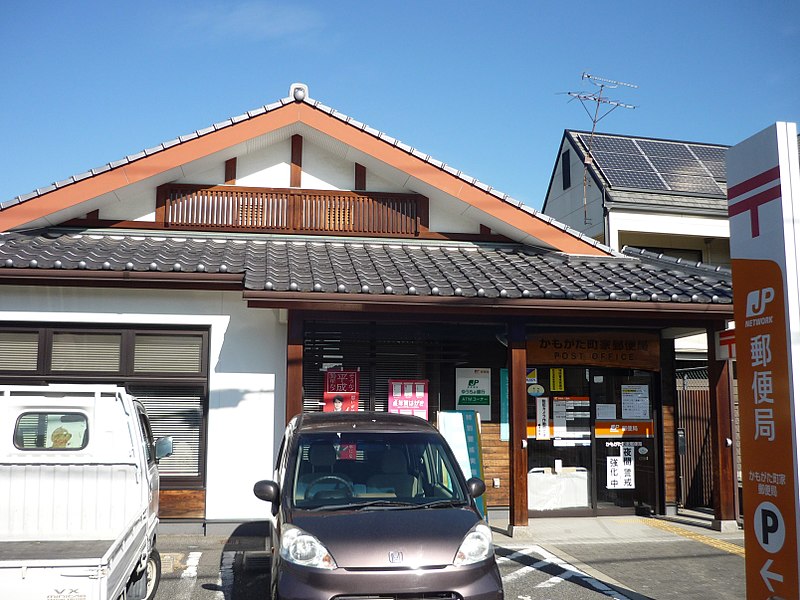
(599, 100)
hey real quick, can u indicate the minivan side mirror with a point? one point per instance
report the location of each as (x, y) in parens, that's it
(163, 448)
(475, 487)
(266, 490)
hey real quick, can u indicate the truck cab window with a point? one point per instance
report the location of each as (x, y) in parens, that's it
(51, 431)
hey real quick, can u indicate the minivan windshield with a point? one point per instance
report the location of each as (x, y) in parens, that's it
(374, 470)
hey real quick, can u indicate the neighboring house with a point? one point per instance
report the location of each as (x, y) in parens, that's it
(665, 196)
(668, 197)
(661, 195)
(226, 277)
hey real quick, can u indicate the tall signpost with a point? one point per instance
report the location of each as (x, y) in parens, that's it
(764, 210)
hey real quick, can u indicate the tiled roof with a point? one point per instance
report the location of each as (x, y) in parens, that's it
(355, 266)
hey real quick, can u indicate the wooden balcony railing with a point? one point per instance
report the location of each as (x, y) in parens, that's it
(232, 208)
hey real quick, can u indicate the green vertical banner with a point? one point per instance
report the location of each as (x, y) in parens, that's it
(462, 430)
(504, 429)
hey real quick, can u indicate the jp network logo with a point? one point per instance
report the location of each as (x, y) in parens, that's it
(757, 301)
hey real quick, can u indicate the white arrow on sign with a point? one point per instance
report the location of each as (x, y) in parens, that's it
(766, 575)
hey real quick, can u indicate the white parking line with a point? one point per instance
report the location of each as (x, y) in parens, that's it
(191, 565)
(569, 571)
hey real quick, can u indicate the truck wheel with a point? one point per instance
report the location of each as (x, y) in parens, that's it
(153, 571)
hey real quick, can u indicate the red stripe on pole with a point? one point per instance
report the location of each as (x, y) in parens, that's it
(754, 182)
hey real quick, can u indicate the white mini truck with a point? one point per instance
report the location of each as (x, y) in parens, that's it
(78, 494)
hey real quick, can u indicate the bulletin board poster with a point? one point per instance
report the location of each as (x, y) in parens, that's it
(409, 397)
(543, 418)
(474, 391)
(620, 470)
(341, 391)
(635, 402)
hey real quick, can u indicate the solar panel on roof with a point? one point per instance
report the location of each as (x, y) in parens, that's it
(658, 165)
(688, 183)
(629, 162)
(717, 169)
(666, 149)
(681, 166)
(611, 144)
(635, 179)
(711, 153)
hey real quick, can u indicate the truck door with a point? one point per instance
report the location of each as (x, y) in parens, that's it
(148, 446)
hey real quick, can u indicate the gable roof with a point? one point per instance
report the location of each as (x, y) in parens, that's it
(298, 108)
(643, 171)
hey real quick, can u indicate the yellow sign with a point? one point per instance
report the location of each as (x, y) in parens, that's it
(556, 380)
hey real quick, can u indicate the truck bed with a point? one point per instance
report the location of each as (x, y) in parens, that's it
(34, 553)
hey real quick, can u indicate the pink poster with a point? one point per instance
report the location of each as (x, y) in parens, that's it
(409, 397)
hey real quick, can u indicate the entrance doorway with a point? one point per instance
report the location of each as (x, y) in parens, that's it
(591, 441)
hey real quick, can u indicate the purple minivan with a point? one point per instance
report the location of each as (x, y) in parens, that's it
(372, 505)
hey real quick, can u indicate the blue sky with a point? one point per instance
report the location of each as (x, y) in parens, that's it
(478, 85)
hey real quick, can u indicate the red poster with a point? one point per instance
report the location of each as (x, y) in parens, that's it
(341, 391)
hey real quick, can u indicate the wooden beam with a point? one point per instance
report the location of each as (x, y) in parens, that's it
(294, 365)
(724, 483)
(518, 421)
(297, 161)
(230, 171)
(360, 177)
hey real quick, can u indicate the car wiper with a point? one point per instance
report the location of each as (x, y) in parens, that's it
(442, 504)
(390, 504)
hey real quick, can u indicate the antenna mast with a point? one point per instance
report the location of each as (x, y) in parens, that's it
(598, 99)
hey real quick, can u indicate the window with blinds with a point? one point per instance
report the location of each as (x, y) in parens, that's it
(19, 351)
(384, 351)
(177, 412)
(154, 353)
(86, 352)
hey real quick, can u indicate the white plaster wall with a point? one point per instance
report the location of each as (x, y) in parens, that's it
(246, 381)
(137, 206)
(677, 224)
(567, 206)
(325, 171)
(376, 183)
(267, 167)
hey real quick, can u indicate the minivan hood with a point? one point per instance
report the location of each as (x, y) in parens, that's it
(376, 538)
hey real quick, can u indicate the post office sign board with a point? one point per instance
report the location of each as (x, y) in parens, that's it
(764, 212)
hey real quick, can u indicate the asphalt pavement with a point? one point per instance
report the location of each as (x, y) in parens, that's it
(626, 557)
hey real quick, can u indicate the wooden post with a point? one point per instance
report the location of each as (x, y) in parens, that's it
(294, 365)
(518, 421)
(297, 161)
(724, 481)
(230, 171)
(360, 175)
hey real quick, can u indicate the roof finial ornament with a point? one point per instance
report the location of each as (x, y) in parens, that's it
(298, 91)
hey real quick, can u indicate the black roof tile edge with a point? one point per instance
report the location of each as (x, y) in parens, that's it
(671, 260)
(338, 115)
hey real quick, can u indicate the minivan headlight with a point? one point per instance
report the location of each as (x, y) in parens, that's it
(477, 546)
(304, 549)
